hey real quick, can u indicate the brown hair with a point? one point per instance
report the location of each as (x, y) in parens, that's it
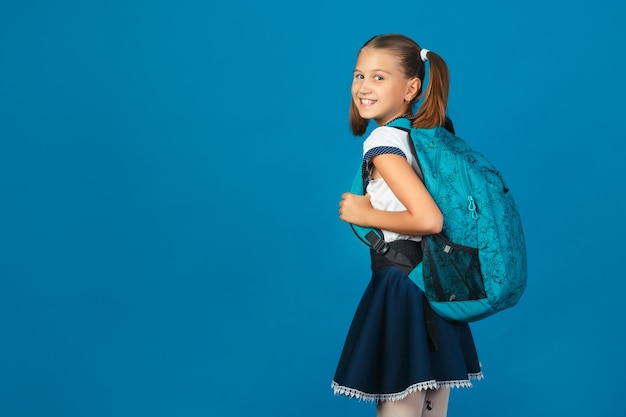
(432, 112)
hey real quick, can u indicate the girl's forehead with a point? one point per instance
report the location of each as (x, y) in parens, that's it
(373, 58)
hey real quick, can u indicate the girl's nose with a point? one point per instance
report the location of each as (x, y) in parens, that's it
(364, 88)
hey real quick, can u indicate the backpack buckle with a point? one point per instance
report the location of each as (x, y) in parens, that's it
(380, 246)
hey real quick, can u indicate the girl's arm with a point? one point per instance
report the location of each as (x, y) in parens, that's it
(422, 216)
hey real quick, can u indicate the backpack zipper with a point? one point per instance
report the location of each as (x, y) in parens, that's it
(471, 207)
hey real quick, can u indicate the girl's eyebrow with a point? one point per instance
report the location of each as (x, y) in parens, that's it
(374, 70)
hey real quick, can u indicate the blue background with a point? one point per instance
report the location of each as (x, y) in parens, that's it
(170, 173)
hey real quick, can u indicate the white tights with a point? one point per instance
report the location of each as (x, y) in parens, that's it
(428, 403)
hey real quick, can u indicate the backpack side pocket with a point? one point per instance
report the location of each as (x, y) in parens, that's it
(451, 271)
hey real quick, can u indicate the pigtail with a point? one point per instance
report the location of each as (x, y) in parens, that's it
(432, 111)
(358, 125)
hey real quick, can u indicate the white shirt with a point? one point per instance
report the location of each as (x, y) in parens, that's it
(387, 140)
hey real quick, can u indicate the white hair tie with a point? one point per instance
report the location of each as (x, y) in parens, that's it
(424, 54)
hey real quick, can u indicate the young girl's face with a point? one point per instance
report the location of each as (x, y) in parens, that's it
(380, 90)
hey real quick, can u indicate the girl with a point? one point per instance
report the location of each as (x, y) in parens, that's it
(392, 355)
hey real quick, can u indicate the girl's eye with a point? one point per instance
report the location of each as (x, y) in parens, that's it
(378, 78)
(359, 76)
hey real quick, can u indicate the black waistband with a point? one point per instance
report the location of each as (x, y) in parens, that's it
(409, 248)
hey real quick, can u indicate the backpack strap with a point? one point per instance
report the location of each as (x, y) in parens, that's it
(374, 237)
(383, 248)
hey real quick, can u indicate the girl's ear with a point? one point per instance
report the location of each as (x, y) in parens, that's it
(413, 88)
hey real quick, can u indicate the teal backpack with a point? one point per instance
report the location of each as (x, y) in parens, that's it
(477, 265)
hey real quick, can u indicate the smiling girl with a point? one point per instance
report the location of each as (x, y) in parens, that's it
(391, 355)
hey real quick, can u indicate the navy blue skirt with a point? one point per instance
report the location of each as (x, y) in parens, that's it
(387, 353)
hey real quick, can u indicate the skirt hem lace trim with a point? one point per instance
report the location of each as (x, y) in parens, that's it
(420, 386)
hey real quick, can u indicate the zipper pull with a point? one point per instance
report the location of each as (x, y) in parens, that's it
(472, 207)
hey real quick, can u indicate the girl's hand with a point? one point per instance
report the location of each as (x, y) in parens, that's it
(355, 208)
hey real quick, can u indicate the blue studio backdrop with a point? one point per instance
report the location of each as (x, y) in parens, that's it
(169, 179)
